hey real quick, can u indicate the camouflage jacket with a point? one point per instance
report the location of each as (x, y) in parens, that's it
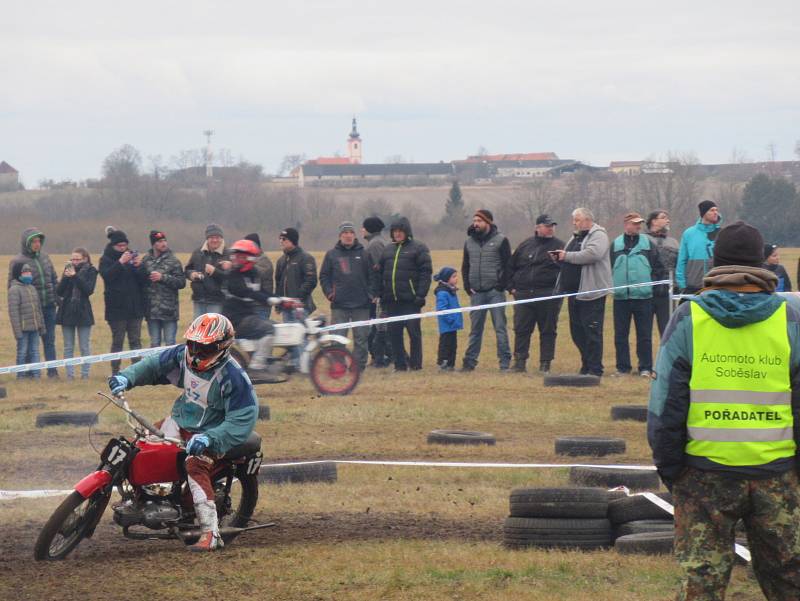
(162, 296)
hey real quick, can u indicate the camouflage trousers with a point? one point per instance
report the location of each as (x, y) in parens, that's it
(707, 507)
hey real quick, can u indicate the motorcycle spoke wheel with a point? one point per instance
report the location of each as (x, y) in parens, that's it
(67, 526)
(334, 371)
(237, 509)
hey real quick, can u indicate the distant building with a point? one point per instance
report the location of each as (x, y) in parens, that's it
(9, 177)
(515, 166)
(638, 167)
(353, 174)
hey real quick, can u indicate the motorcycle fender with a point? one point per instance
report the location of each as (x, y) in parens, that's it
(92, 483)
(333, 340)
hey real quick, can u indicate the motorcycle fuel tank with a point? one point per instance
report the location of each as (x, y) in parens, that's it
(155, 462)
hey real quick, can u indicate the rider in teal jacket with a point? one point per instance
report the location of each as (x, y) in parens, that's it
(697, 248)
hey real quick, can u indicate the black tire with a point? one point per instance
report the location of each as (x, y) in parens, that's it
(556, 533)
(71, 520)
(243, 500)
(578, 381)
(612, 477)
(66, 418)
(2, 392)
(634, 412)
(636, 508)
(646, 543)
(334, 371)
(642, 526)
(576, 446)
(263, 412)
(559, 503)
(460, 437)
(324, 471)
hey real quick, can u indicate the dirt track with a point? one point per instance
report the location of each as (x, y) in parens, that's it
(78, 575)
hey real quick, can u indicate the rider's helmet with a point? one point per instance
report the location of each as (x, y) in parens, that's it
(244, 254)
(208, 340)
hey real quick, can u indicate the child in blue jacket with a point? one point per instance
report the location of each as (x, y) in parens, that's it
(446, 298)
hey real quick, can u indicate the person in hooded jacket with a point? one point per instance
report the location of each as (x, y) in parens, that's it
(44, 280)
(124, 295)
(446, 294)
(75, 315)
(485, 269)
(697, 248)
(724, 423)
(344, 277)
(402, 279)
(772, 261)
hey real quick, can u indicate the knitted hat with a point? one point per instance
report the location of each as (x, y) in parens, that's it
(705, 206)
(156, 235)
(212, 229)
(769, 249)
(739, 244)
(444, 275)
(254, 238)
(115, 236)
(347, 226)
(373, 225)
(291, 234)
(485, 214)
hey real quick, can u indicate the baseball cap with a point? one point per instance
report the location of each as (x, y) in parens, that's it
(633, 217)
(545, 219)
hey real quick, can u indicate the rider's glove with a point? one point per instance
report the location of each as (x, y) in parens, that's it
(118, 384)
(197, 444)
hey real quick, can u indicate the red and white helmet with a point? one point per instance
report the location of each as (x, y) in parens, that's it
(208, 340)
(244, 254)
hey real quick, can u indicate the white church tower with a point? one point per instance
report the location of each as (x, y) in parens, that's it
(354, 145)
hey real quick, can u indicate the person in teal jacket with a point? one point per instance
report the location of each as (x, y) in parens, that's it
(697, 248)
(216, 411)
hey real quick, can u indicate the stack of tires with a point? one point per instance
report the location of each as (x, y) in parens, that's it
(641, 526)
(558, 518)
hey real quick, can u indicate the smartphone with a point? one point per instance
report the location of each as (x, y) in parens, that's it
(553, 253)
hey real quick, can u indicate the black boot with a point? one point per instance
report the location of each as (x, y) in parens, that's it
(544, 367)
(519, 366)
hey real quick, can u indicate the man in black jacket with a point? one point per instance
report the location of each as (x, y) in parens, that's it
(401, 279)
(533, 274)
(344, 276)
(125, 282)
(295, 271)
(206, 272)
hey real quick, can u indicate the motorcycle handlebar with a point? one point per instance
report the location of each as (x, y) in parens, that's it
(146, 424)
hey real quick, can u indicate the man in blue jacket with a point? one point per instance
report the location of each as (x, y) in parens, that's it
(724, 423)
(216, 411)
(697, 248)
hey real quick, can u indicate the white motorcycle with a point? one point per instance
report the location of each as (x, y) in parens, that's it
(326, 358)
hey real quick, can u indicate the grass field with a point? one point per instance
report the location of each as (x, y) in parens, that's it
(378, 533)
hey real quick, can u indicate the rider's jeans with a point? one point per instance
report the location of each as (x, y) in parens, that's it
(360, 334)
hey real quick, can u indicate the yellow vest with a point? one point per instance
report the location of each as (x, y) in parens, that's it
(740, 409)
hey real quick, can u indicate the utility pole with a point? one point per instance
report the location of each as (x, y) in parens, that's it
(209, 170)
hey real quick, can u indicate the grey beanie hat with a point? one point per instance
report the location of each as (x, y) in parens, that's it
(212, 229)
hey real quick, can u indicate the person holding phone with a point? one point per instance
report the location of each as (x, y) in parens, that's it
(75, 315)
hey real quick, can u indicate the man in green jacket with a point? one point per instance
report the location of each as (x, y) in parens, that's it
(723, 423)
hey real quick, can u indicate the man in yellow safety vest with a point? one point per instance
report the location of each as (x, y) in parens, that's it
(724, 423)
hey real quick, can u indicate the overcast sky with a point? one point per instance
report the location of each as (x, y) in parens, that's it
(434, 80)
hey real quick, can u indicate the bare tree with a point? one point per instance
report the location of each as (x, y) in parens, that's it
(123, 166)
(797, 149)
(289, 162)
(772, 151)
(536, 198)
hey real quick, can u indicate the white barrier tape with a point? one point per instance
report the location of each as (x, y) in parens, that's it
(6, 495)
(14, 369)
(740, 550)
(539, 299)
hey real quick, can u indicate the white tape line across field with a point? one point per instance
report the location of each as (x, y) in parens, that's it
(13, 369)
(7, 495)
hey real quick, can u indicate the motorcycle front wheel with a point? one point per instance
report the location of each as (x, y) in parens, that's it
(68, 525)
(334, 371)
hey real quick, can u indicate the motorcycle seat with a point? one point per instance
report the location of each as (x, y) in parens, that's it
(248, 447)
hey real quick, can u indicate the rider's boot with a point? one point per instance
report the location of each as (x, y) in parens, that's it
(262, 354)
(210, 539)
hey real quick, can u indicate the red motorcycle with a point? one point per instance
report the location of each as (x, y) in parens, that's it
(148, 474)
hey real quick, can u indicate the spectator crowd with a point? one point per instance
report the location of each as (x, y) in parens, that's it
(365, 275)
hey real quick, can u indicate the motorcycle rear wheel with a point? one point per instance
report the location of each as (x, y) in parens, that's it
(334, 371)
(67, 526)
(244, 497)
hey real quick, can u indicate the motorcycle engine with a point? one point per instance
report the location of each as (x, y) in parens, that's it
(152, 514)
